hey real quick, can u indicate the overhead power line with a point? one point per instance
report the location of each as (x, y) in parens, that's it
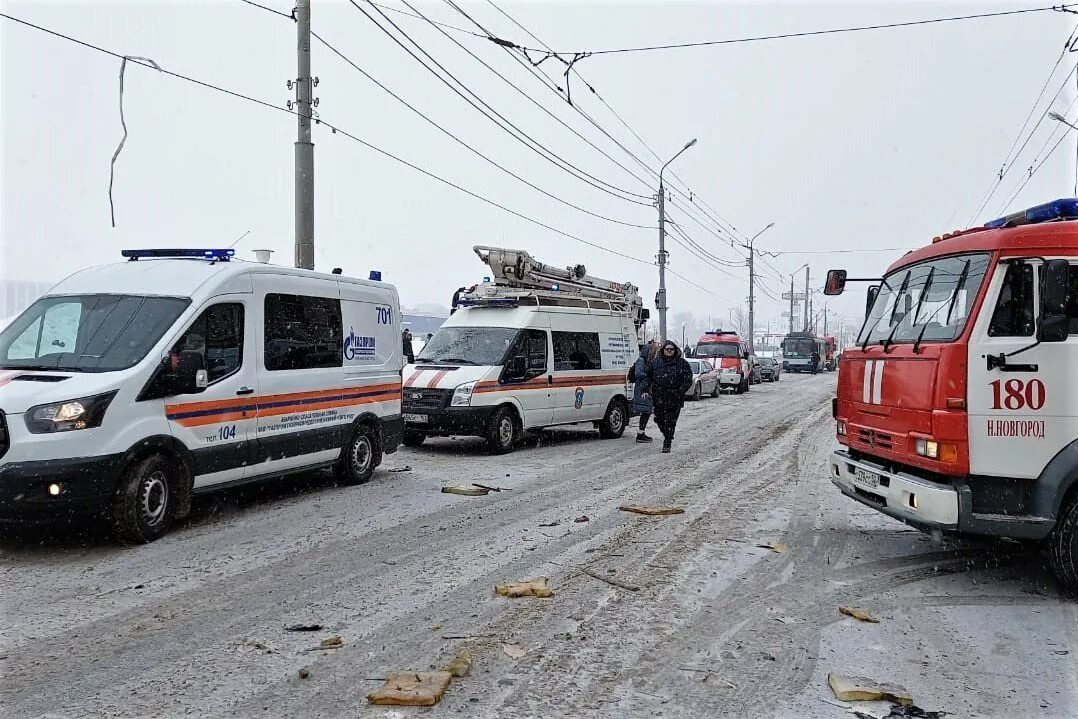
(809, 33)
(1033, 171)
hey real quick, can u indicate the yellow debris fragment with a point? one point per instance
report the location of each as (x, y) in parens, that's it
(858, 614)
(460, 665)
(860, 689)
(652, 511)
(528, 588)
(412, 689)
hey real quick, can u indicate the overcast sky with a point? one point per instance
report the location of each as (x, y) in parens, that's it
(867, 140)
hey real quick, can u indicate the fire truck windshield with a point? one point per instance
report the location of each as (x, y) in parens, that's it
(929, 301)
(717, 349)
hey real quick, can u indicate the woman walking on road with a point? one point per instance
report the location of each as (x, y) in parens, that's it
(669, 378)
(641, 401)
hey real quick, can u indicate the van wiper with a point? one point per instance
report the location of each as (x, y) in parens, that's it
(455, 360)
(42, 368)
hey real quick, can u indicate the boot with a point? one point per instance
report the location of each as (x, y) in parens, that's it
(666, 446)
(643, 438)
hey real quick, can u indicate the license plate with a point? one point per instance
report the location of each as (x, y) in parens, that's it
(416, 418)
(868, 479)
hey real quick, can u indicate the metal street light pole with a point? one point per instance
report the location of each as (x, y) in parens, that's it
(660, 296)
(752, 286)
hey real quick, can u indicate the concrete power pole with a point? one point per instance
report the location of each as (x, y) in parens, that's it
(660, 296)
(808, 317)
(752, 302)
(791, 304)
(304, 146)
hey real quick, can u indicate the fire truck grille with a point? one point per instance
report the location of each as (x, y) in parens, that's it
(874, 438)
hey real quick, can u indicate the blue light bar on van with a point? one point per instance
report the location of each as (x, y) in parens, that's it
(376, 276)
(1064, 209)
(488, 302)
(224, 255)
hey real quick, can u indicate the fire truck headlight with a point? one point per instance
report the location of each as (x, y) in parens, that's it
(462, 395)
(841, 428)
(928, 448)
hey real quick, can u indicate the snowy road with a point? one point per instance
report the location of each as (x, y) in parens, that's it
(192, 625)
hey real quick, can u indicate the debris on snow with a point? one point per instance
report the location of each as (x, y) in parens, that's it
(412, 689)
(528, 588)
(405, 468)
(460, 665)
(555, 523)
(304, 673)
(514, 651)
(581, 519)
(858, 614)
(652, 511)
(609, 580)
(334, 642)
(860, 689)
(489, 488)
(303, 628)
(776, 547)
(466, 490)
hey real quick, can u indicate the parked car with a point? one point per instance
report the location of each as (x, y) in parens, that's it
(705, 380)
(754, 370)
(770, 369)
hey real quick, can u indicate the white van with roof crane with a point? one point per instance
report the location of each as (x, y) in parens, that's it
(129, 387)
(533, 346)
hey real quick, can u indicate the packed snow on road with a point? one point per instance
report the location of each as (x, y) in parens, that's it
(300, 598)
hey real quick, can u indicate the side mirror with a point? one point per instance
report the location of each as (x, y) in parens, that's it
(836, 282)
(517, 368)
(870, 298)
(190, 375)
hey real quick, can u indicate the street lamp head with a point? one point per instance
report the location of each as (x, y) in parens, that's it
(1056, 116)
(689, 144)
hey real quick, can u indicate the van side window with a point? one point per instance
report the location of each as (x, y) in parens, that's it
(576, 351)
(217, 335)
(535, 349)
(303, 332)
(1013, 316)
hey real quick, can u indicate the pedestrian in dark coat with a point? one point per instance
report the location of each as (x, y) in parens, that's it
(641, 401)
(406, 347)
(669, 378)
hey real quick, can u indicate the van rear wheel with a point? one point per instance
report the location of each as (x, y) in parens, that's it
(614, 421)
(361, 455)
(142, 508)
(1063, 546)
(502, 431)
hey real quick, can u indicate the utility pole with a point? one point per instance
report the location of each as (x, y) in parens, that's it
(304, 146)
(752, 285)
(825, 320)
(791, 305)
(660, 296)
(808, 317)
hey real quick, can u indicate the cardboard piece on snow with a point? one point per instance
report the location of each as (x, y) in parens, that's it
(466, 490)
(528, 588)
(412, 689)
(860, 689)
(652, 511)
(858, 614)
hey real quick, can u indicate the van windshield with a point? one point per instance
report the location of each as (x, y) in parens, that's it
(468, 345)
(929, 301)
(87, 333)
(717, 349)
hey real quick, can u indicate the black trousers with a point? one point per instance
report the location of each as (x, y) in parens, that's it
(666, 416)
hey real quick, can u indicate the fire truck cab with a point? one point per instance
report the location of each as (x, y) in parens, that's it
(958, 407)
(729, 355)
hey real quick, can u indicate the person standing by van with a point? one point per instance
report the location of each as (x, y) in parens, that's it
(642, 404)
(406, 346)
(669, 377)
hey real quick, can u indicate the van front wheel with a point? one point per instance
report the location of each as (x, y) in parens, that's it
(613, 423)
(1063, 546)
(502, 431)
(361, 455)
(142, 507)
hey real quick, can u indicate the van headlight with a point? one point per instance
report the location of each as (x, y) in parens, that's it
(462, 395)
(83, 413)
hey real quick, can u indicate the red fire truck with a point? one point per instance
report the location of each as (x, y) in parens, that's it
(957, 408)
(729, 355)
(830, 361)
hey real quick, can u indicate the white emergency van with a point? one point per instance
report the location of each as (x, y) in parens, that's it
(532, 346)
(131, 386)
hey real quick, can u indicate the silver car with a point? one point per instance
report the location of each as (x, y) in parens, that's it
(705, 380)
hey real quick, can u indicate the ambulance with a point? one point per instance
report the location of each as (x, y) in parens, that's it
(730, 357)
(957, 408)
(129, 387)
(532, 346)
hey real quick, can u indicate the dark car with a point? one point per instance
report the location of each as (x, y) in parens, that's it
(770, 369)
